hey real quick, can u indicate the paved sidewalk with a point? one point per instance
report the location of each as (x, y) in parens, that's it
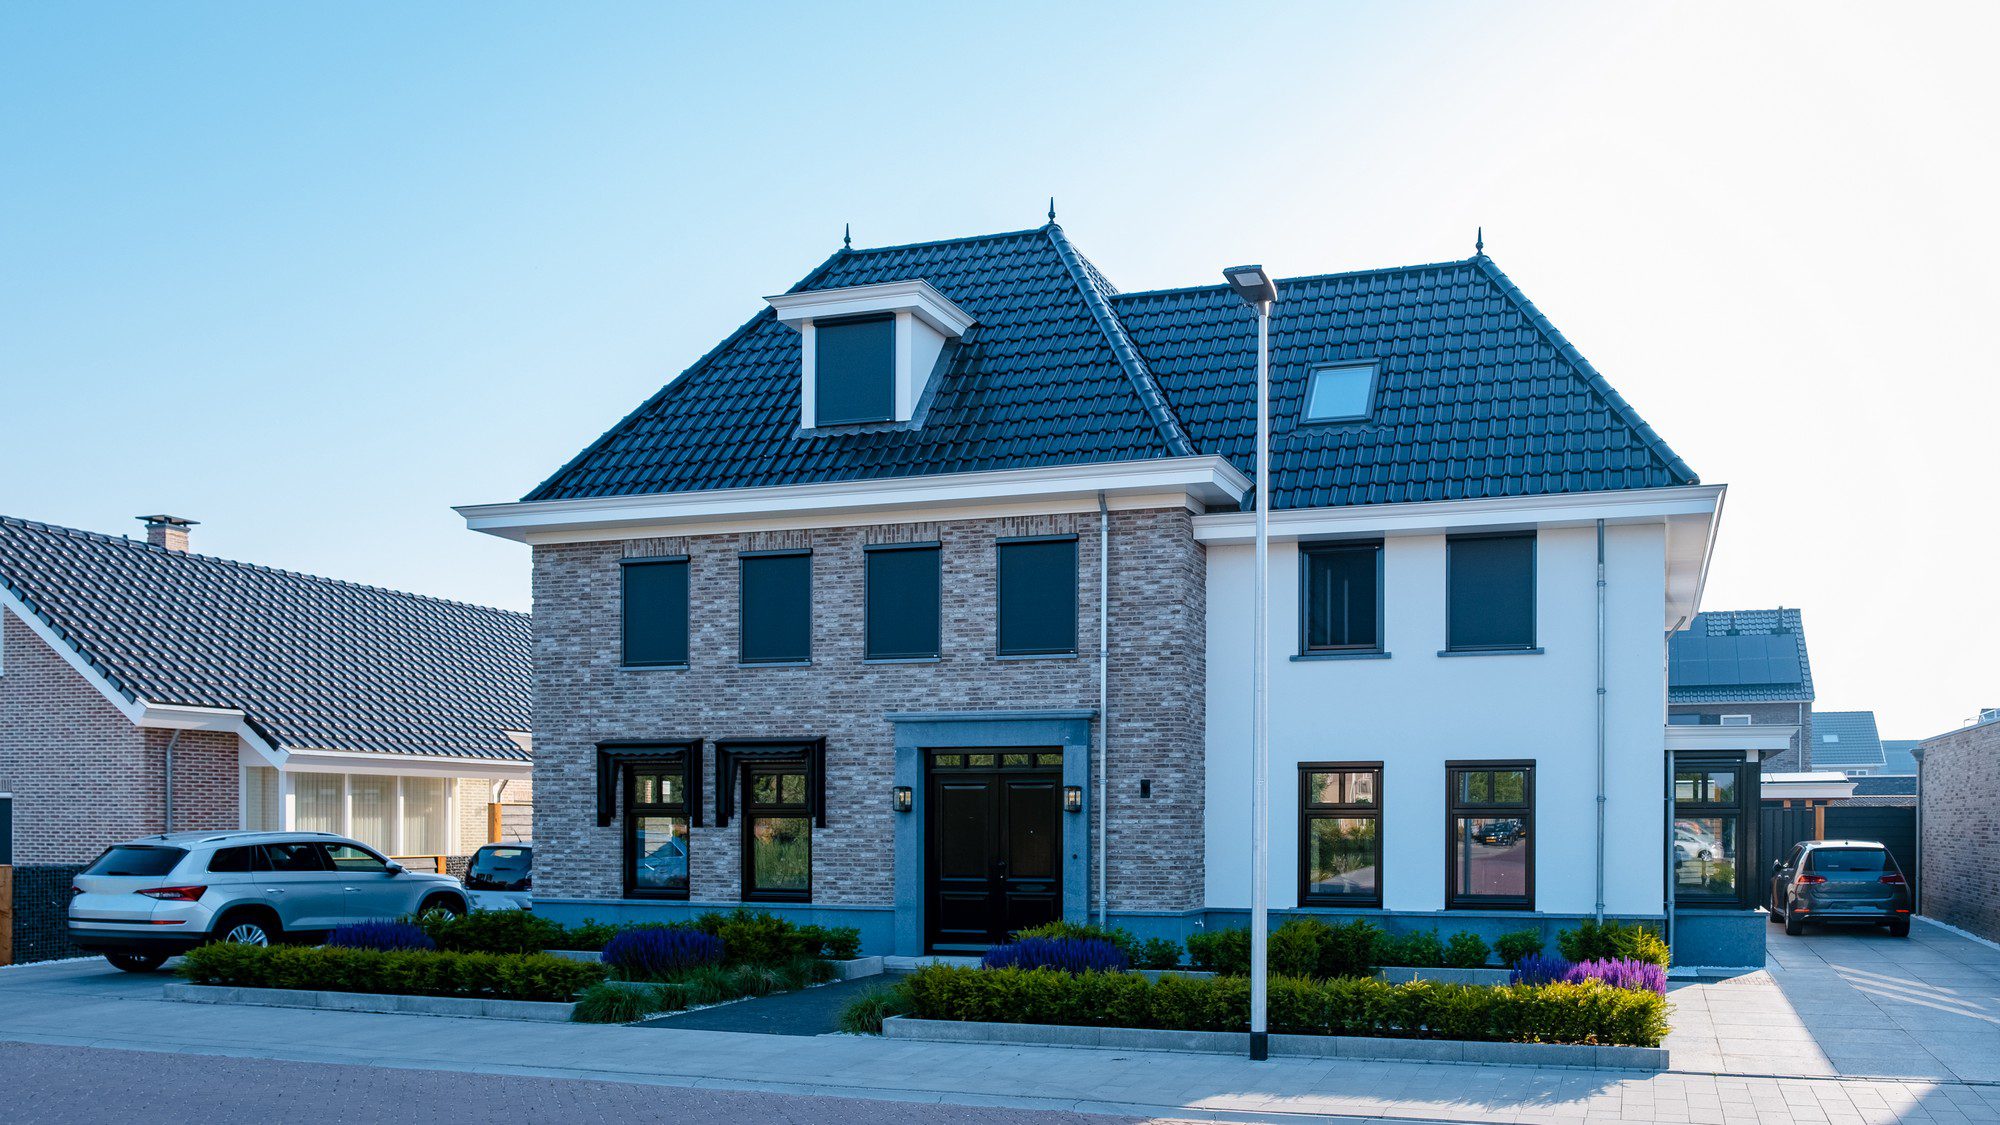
(91, 1005)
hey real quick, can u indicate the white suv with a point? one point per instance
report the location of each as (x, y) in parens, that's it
(148, 899)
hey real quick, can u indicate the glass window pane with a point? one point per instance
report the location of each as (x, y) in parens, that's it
(1048, 759)
(347, 857)
(986, 760)
(656, 613)
(1829, 861)
(1037, 589)
(1705, 855)
(1492, 592)
(1475, 787)
(777, 608)
(1510, 787)
(1705, 787)
(263, 801)
(373, 804)
(316, 800)
(902, 601)
(1322, 788)
(425, 831)
(1490, 856)
(792, 789)
(1014, 760)
(854, 369)
(1334, 393)
(660, 853)
(1361, 788)
(1340, 856)
(764, 788)
(949, 760)
(781, 853)
(1340, 598)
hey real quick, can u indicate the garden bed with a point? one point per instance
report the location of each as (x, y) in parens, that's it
(463, 1007)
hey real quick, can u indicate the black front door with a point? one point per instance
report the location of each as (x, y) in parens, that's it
(994, 856)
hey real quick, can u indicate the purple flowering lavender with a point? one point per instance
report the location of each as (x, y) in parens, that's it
(660, 952)
(1070, 955)
(388, 937)
(1622, 972)
(1539, 968)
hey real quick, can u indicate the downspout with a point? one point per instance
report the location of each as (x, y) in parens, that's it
(169, 818)
(1103, 700)
(1667, 821)
(1600, 722)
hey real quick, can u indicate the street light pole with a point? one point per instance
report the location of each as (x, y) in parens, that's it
(1260, 292)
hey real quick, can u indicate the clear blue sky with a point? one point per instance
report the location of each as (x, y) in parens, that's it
(314, 273)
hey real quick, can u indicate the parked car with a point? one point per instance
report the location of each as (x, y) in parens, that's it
(1501, 832)
(500, 877)
(1839, 881)
(145, 900)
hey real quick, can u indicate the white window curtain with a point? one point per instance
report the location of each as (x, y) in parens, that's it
(372, 807)
(425, 806)
(316, 802)
(263, 800)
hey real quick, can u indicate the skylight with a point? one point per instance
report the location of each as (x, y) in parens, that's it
(1340, 392)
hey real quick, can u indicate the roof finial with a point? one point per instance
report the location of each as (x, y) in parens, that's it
(1052, 208)
(1479, 242)
(847, 236)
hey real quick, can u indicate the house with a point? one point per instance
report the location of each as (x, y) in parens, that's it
(147, 688)
(1848, 741)
(1745, 668)
(1958, 777)
(922, 603)
(1898, 757)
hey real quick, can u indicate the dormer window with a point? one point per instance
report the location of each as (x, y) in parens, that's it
(867, 353)
(1340, 392)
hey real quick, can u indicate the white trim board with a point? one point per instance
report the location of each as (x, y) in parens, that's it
(1713, 737)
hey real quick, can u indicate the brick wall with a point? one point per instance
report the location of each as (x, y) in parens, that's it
(1959, 820)
(582, 696)
(1793, 760)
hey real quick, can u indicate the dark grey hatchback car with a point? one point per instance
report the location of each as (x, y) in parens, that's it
(1840, 881)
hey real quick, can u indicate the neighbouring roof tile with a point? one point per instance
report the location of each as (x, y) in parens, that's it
(1740, 656)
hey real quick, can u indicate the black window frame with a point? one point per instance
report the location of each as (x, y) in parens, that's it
(1000, 547)
(626, 568)
(678, 767)
(1373, 368)
(888, 413)
(1307, 551)
(1534, 579)
(868, 608)
(744, 559)
(751, 809)
(1310, 810)
(1455, 808)
(1743, 809)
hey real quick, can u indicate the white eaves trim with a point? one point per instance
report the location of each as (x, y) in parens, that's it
(1715, 737)
(1200, 481)
(1576, 509)
(915, 296)
(429, 765)
(142, 713)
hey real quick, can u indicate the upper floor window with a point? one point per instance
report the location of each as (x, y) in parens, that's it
(1491, 601)
(1736, 720)
(1343, 392)
(855, 369)
(775, 607)
(656, 612)
(1341, 597)
(902, 602)
(1037, 596)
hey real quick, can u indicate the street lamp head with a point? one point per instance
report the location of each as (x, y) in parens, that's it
(1252, 284)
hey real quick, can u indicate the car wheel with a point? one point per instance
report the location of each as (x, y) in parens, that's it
(1794, 926)
(1776, 915)
(136, 962)
(247, 929)
(443, 904)
(1899, 928)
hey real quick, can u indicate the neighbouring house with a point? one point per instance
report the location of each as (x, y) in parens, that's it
(1741, 668)
(1899, 758)
(1848, 741)
(146, 688)
(922, 603)
(1958, 819)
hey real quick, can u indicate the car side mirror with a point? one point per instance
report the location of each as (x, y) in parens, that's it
(396, 868)
(1777, 865)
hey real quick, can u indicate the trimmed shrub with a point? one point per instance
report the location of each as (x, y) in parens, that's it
(1121, 938)
(1069, 955)
(660, 954)
(1310, 948)
(603, 1003)
(1418, 949)
(1587, 1012)
(758, 938)
(1226, 952)
(384, 936)
(1156, 953)
(1538, 968)
(838, 943)
(491, 931)
(1609, 941)
(1622, 973)
(864, 1014)
(588, 934)
(1466, 950)
(492, 976)
(1516, 944)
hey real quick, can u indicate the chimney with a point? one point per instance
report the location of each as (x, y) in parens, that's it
(170, 532)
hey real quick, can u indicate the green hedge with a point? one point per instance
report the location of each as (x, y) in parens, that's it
(1592, 940)
(1591, 1012)
(748, 937)
(486, 976)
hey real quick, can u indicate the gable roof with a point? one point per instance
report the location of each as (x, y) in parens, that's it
(1845, 740)
(1896, 756)
(1479, 395)
(313, 663)
(1740, 656)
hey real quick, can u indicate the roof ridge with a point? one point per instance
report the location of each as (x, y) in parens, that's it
(1299, 280)
(947, 241)
(218, 560)
(1592, 376)
(1143, 383)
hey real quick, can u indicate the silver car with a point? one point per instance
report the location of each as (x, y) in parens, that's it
(145, 900)
(1840, 881)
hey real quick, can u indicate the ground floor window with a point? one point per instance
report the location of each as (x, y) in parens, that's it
(1340, 833)
(1711, 848)
(398, 815)
(1490, 822)
(656, 829)
(777, 832)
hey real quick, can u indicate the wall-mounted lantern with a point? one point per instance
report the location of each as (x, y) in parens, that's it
(906, 798)
(1072, 798)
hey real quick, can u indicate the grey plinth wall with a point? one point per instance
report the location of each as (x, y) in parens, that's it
(956, 730)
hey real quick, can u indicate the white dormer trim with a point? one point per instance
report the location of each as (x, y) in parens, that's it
(925, 320)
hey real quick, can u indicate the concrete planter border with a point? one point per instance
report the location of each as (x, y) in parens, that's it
(1401, 974)
(842, 970)
(1298, 1046)
(464, 1007)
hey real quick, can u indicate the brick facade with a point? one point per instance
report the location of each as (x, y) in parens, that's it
(1959, 820)
(583, 696)
(1794, 760)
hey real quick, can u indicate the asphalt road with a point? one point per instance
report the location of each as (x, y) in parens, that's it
(89, 1085)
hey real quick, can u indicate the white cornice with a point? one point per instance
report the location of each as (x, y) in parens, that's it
(1764, 738)
(435, 765)
(1638, 505)
(1201, 481)
(915, 296)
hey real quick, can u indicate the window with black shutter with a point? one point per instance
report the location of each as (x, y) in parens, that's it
(1491, 598)
(656, 612)
(776, 607)
(902, 602)
(1037, 596)
(1341, 597)
(854, 360)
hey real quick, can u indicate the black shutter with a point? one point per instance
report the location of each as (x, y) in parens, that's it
(777, 608)
(854, 362)
(656, 612)
(902, 602)
(1492, 596)
(1037, 580)
(1341, 597)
